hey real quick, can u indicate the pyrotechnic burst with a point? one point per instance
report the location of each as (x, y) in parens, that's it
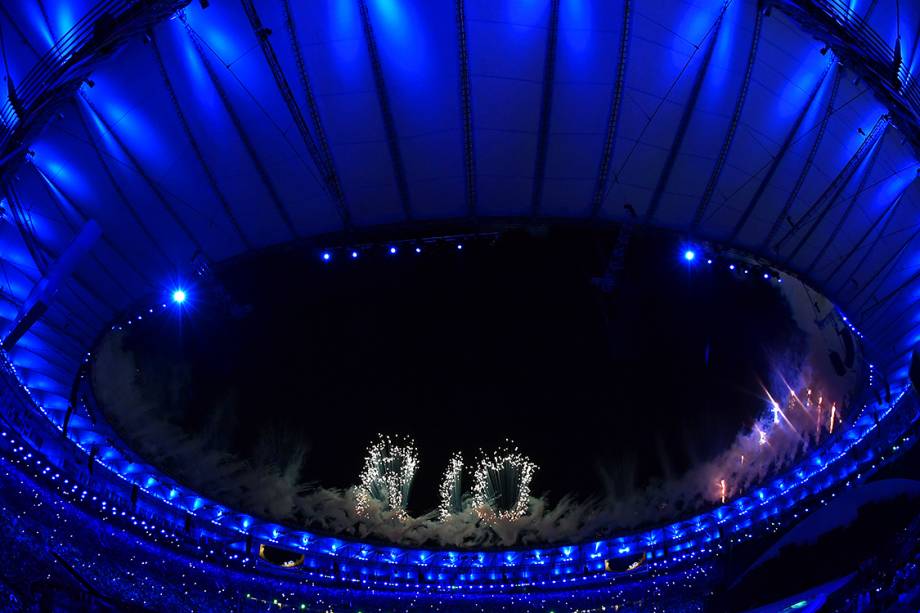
(389, 469)
(502, 484)
(450, 490)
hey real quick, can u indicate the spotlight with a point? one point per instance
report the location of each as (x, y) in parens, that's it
(179, 296)
(689, 255)
(709, 261)
(418, 249)
(392, 250)
(326, 256)
(354, 254)
(731, 267)
(766, 275)
(459, 246)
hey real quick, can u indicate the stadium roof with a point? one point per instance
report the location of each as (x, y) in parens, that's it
(208, 132)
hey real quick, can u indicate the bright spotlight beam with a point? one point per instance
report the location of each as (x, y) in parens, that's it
(179, 296)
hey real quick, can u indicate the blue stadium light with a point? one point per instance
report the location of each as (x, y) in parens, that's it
(731, 267)
(392, 250)
(179, 296)
(418, 249)
(459, 246)
(326, 256)
(689, 255)
(354, 254)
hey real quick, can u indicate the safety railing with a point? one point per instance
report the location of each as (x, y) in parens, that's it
(876, 53)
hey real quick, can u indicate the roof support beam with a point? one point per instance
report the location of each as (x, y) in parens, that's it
(546, 109)
(870, 165)
(196, 148)
(733, 126)
(56, 192)
(466, 110)
(135, 163)
(46, 288)
(871, 250)
(45, 253)
(332, 175)
(774, 164)
(681, 131)
(806, 167)
(891, 206)
(834, 190)
(386, 111)
(879, 277)
(244, 138)
(62, 335)
(121, 194)
(73, 228)
(26, 231)
(330, 180)
(867, 313)
(613, 116)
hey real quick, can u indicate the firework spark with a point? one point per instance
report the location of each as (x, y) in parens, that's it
(501, 486)
(450, 490)
(389, 469)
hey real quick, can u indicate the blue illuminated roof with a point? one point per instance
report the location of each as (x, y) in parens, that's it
(242, 126)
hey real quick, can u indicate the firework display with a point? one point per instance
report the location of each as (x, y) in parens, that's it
(451, 489)
(389, 469)
(501, 487)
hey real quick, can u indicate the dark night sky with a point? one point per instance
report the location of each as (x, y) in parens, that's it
(462, 349)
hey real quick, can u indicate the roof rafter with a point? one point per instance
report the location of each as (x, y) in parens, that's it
(325, 150)
(891, 206)
(806, 167)
(241, 133)
(880, 276)
(386, 111)
(613, 116)
(196, 148)
(330, 180)
(58, 192)
(75, 230)
(780, 155)
(733, 125)
(870, 165)
(684, 124)
(121, 194)
(546, 109)
(889, 216)
(466, 110)
(834, 189)
(138, 167)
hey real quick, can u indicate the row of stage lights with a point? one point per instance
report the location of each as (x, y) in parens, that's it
(328, 255)
(691, 255)
(180, 295)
